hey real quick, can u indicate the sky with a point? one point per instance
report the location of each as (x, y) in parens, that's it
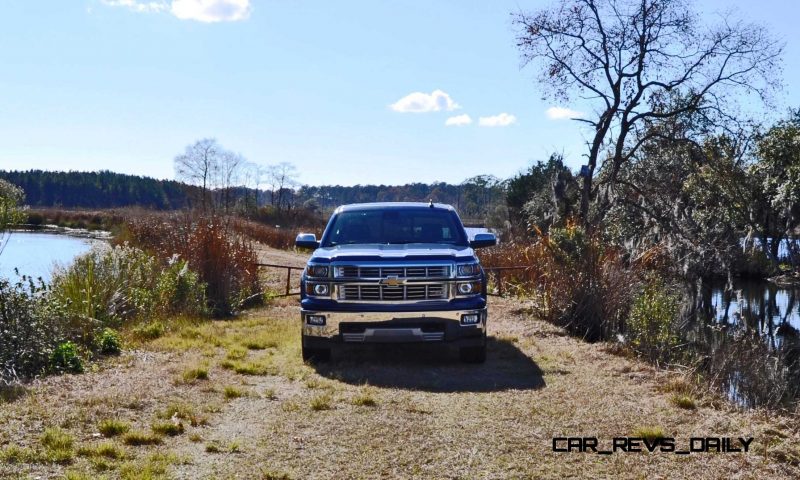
(351, 92)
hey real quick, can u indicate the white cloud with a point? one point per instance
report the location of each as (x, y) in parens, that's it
(499, 120)
(419, 102)
(211, 11)
(561, 113)
(138, 6)
(458, 121)
(208, 11)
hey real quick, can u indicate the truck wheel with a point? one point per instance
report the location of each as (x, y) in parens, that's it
(316, 355)
(473, 354)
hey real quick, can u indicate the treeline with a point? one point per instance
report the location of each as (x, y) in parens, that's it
(103, 189)
(473, 198)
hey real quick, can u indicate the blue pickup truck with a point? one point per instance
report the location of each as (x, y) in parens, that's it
(394, 272)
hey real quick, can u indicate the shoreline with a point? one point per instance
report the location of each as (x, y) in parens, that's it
(59, 230)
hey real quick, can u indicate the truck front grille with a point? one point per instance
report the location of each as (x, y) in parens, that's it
(388, 293)
(355, 271)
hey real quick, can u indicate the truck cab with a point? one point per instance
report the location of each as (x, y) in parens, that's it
(394, 273)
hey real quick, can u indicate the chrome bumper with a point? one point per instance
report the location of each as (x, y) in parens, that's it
(389, 333)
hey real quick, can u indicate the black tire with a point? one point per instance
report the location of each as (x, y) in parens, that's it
(316, 355)
(473, 354)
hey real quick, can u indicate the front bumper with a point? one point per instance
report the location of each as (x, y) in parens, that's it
(393, 327)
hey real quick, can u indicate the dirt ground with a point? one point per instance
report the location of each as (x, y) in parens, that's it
(379, 412)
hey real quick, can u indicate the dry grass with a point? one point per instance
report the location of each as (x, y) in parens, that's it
(393, 409)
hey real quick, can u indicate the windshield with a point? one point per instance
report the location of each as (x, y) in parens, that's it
(395, 226)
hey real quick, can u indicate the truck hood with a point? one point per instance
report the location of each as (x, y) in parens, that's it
(383, 252)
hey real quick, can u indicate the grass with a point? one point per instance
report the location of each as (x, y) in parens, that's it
(270, 474)
(183, 411)
(192, 375)
(649, 433)
(321, 402)
(683, 401)
(150, 331)
(112, 428)
(232, 392)
(14, 454)
(140, 438)
(58, 445)
(171, 429)
(365, 397)
(104, 450)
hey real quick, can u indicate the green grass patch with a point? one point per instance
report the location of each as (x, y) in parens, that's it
(171, 429)
(321, 402)
(683, 401)
(649, 433)
(112, 428)
(104, 450)
(140, 438)
(192, 375)
(232, 392)
(183, 411)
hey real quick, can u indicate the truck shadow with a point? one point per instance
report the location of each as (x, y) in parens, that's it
(433, 368)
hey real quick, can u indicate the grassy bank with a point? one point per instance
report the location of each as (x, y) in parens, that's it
(210, 399)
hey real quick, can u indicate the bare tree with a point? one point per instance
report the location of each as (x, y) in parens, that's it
(282, 179)
(229, 175)
(639, 62)
(198, 166)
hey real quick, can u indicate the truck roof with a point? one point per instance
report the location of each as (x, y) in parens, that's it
(393, 205)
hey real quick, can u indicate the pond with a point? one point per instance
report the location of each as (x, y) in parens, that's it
(35, 254)
(749, 338)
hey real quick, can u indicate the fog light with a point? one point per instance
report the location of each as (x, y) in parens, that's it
(470, 319)
(318, 320)
(320, 289)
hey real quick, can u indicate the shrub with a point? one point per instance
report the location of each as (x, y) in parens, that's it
(108, 286)
(108, 342)
(65, 359)
(571, 278)
(651, 327)
(224, 260)
(30, 328)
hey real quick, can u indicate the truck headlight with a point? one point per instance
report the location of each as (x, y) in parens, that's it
(317, 270)
(469, 288)
(317, 289)
(468, 270)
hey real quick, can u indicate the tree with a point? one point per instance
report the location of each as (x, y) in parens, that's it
(214, 169)
(198, 165)
(640, 62)
(282, 178)
(776, 211)
(11, 198)
(542, 194)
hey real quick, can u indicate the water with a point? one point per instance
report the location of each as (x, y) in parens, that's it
(35, 254)
(749, 336)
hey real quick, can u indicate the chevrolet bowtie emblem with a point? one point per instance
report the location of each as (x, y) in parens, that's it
(392, 281)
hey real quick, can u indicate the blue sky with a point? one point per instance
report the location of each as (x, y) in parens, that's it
(125, 85)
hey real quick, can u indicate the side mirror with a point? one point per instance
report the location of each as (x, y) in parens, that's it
(483, 240)
(306, 240)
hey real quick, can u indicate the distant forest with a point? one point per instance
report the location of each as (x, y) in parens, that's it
(107, 189)
(102, 189)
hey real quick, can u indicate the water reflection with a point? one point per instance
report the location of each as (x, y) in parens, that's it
(747, 339)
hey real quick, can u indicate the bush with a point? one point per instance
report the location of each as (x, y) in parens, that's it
(651, 327)
(65, 359)
(225, 261)
(571, 278)
(108, 342)
(30, 328)
(109, 286)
